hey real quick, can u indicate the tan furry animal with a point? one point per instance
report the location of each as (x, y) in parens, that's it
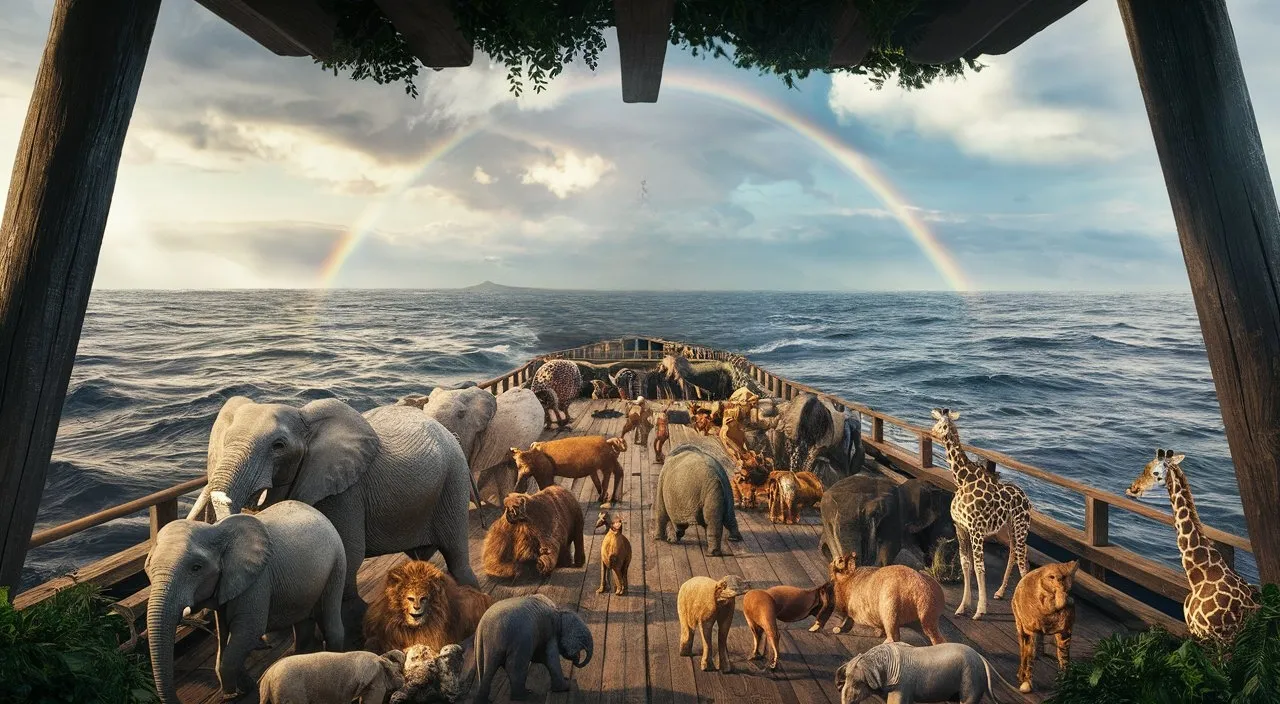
(703, 603)
(615, 555)
(1042, 605)
(702, 421)
(603, 389)
(765, 607)
(592, 456)
(661, 425)
(420, 605)
(789, 492)
(732, 436)
(638, 420)
(537, 529)
(332, 678)
(886, 598)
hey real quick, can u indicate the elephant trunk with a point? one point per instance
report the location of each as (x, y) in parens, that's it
(586, 657)
(163, 614)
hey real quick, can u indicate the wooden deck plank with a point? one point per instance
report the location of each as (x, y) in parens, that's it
(637, 636)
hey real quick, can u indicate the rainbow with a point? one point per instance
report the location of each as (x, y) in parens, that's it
(849, 159)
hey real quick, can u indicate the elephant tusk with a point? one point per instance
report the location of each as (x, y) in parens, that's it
(221, 504)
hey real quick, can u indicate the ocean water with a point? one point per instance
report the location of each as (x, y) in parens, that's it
(1085, 386)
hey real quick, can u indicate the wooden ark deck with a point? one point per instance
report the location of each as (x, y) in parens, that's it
(637, 636)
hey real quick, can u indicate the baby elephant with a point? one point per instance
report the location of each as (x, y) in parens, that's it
(332, 678)
(515, 632)
(702, 603)
(905, 674)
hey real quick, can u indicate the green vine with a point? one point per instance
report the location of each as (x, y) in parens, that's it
(536, 39)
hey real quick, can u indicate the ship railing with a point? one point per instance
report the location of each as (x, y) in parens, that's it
(1107, 569)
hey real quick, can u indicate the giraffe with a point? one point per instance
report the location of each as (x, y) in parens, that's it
(1219, 599)
(982, 506)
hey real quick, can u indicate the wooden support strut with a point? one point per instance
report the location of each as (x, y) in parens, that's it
(644, 27)
(59, 197)
(1224, 206)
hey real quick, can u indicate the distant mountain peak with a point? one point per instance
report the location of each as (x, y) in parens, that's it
(489, 286)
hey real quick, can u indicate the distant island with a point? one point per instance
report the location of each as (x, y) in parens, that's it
(490, 287)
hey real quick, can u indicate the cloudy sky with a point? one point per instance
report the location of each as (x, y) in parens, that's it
(244, 169)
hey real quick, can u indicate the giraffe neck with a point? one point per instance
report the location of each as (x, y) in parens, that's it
(964, 469)
(1197, 550)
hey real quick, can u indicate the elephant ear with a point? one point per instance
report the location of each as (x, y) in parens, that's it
(340, 446)
(244, 554)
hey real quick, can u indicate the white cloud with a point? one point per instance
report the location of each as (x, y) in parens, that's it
(569, 173)
(482, 178)
(987, 114)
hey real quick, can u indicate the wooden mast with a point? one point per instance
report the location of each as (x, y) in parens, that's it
(63, 179)
(1225, 209)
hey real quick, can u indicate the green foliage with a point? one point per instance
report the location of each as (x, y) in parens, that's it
(945, 565)
(536, 39)
(1157, 668)
(66, 649)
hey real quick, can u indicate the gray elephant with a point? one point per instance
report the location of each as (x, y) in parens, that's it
(391, 480)
(809, 434)
(466, 412)
(515, 632)
(905, 674)
(273, 570)
(693, 487)
(332, 678)
(871, 516)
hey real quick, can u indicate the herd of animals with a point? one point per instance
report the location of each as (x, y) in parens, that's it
(298, 497)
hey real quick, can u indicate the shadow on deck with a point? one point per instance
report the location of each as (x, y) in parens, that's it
(637, 636)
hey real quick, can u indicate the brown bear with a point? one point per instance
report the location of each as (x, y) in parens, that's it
(535, 529)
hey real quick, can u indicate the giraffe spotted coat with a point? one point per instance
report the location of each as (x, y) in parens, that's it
(982, 506)
(1219, 599)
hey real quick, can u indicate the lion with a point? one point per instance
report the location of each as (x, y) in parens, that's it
(535, 529)
(420, 605)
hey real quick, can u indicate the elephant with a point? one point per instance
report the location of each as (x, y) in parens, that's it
(332, 678)
(517, 631)
(810, 435)
(906, 674)
(466, 412)
(272, 570)
(390, 480)
(517, 423)
(693, 487)
(871, 516)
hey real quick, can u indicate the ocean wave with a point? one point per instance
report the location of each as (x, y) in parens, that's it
(1083, 386)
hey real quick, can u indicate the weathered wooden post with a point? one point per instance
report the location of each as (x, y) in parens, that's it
(63, 179)
(1225, 209)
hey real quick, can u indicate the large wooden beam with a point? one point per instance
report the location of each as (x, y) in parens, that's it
(306, 24)
(63, 179)
(431, 31)
(237, 15)
(952, 34)
(1225, 210)
(1033, 18)
(849, 40)
(644, 29)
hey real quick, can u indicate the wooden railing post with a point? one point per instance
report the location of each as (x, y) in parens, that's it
(162, 514)
(1096, 531)
(926, 450)
(64, 175)
(877, 429)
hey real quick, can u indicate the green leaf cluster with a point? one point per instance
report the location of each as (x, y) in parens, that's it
(1156, 667)
(66, 649)
(536, 39)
